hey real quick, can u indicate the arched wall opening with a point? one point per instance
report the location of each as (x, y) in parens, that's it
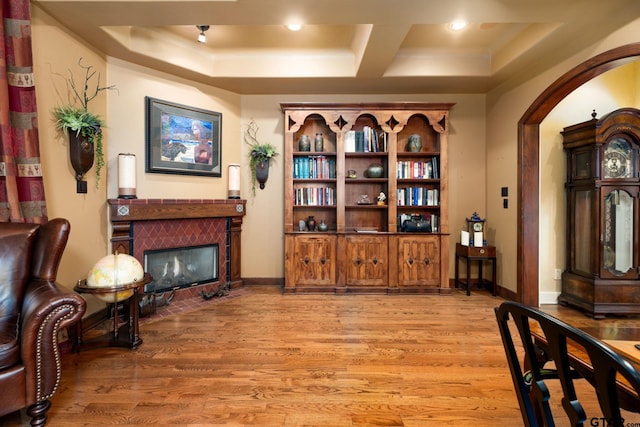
(529, 166)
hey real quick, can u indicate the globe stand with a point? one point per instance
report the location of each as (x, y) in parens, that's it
(121, 334)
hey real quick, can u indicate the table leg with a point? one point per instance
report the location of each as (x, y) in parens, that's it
(480, 280)
(457, 278)
(493, 277)
(134, 334)
(468, 277)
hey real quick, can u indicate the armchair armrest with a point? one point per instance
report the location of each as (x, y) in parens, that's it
(47, 307)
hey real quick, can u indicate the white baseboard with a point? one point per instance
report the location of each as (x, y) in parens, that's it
(548, 297)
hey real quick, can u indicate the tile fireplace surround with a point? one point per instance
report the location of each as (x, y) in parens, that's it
(148, 224)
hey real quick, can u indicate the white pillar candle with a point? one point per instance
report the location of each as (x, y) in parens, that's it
(234, 181)
(126, 176)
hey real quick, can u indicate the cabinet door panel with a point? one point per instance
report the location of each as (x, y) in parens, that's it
(419, 261)
(315, 262)
(367, 261)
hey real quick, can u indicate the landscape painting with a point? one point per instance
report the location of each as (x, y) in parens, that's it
(182, 139)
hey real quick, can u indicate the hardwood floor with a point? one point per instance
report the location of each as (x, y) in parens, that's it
(261, 358)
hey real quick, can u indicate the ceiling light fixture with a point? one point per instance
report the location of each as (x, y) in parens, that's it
(294, 27)
(458, 25)
(202, 38)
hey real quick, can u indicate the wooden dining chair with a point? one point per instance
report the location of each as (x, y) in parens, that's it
(576, 356)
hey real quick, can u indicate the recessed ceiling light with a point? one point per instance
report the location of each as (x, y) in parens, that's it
(294, 27)
(458, 25)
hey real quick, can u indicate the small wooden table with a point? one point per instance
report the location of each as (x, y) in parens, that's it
(122, 334)
(480, 254)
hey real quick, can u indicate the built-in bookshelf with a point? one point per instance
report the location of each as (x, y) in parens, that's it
(363, 182)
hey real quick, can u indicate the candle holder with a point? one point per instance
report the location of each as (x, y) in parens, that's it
(233, 191)
(127, 176)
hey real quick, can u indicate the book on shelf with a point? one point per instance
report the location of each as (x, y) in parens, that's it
(417, 169)
(314, 167)
(314, 196)
(367, 140)
(417, 196)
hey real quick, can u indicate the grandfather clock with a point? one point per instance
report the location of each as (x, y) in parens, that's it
(603, 194)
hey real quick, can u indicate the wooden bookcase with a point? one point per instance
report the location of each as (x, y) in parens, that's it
(364, 249)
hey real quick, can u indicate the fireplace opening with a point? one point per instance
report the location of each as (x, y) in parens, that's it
(182, 267)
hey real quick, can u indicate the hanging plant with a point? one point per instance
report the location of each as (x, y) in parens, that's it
(259, 156)
(87, 127)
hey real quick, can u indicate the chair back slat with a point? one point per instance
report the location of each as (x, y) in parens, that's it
(605, 370)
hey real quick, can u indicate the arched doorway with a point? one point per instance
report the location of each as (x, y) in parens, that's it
(528, 160)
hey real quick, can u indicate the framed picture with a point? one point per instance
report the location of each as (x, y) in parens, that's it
(182, 140)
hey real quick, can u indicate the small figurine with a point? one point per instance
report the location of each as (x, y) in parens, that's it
(381, 198)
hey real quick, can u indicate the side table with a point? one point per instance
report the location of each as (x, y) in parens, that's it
(481, 254)
(123, 333)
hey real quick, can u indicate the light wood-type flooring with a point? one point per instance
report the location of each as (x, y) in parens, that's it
(258, 357)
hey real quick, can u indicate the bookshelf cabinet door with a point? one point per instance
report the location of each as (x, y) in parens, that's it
(367, 261)
(418, 261)
(315, 260)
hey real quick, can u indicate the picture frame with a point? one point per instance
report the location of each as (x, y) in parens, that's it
(182, 140)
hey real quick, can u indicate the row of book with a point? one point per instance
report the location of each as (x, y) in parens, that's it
(433, 219)
(417, 196)
(314, 196)
(314, 167)
(367, 140)
(410, 169)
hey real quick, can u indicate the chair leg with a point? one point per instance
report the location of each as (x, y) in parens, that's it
(38, 412)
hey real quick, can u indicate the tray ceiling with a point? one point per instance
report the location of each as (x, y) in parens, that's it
(355, 46)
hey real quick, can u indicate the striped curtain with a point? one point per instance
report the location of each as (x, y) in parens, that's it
(22, 196)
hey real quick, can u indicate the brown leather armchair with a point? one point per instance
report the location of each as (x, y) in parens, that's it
(33, 309)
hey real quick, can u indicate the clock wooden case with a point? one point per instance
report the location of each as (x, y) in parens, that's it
(366, 179)
(603, 190)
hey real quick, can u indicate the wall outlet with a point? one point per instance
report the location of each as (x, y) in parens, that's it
(557, 274)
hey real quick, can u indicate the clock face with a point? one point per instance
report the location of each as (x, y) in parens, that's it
(615, 165)
(617, 159)
(477, 226)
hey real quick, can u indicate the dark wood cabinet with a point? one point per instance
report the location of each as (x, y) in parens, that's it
(378, 164)
(603, 228)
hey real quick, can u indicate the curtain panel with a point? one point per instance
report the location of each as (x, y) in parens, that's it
(22, 197)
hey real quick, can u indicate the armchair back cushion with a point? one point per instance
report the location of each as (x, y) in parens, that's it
(16, 243)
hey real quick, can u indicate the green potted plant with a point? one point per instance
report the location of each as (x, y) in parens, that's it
(83, 128)
(259, 156)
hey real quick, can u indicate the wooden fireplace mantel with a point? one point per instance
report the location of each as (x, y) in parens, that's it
(124, 212)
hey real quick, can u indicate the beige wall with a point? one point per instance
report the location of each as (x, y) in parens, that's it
(126, 112)
(505, 107)
(55, 53)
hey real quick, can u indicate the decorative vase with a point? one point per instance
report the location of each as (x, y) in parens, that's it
(311, 223)
(81, 153)
(304, 143)
(415, 143)
(374, 171)
(302, 225)
(318, 143)
(323, 225)
(262, 173)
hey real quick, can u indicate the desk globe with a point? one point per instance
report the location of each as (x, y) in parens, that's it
(113, 271)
